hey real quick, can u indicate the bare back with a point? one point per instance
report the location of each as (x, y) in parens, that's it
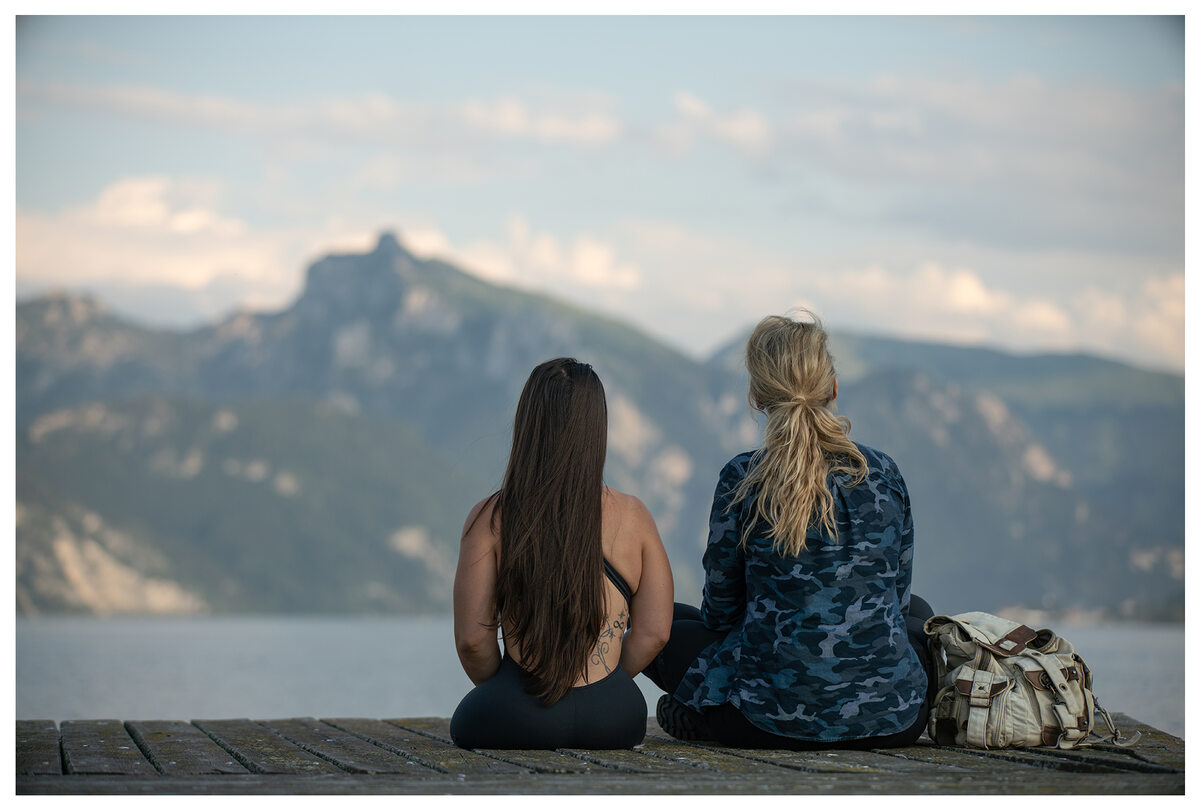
(632, 633)
(622, 549)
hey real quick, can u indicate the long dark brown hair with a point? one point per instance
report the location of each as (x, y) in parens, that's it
(549, 588)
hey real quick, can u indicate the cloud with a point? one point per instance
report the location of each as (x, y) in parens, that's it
(163, 249)
(512, 117)
(932, 302)
(145, 229)
(692, 107)
(426, 241)
(719, 286)
(594, 264)
(151, 102)
(1043, 317)
(159, 204)
(1103, 308)
(1159, 321)
(367, 118)
(958, 291)
(746, 129)
(579, 268)
(1151, 316)
(1017, 162)
(954, 305)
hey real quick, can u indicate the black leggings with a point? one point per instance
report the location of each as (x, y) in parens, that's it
(689, 637)
(500, 714)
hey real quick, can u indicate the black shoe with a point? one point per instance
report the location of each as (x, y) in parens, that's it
(680, 721)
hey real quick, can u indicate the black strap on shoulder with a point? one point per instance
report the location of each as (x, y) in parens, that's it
(618, 581)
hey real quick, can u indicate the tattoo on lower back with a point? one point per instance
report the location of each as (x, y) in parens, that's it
(612, 631)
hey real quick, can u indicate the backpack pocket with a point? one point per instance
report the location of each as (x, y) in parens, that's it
(980, 703)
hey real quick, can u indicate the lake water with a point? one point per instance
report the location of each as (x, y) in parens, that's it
(279, 667)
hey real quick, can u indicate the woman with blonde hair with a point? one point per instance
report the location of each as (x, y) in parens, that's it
(573, 574)
(807, 636)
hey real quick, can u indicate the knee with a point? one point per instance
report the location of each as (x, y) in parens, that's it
(918, 608)
(474, 716)
(457, 729)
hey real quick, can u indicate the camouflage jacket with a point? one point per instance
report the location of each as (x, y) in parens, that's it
(817, 647)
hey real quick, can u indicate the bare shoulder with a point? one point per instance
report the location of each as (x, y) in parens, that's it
(630, 510)
(636, 548)
(480, 520)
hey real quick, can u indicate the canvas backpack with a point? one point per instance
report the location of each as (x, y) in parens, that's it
(1003, 684)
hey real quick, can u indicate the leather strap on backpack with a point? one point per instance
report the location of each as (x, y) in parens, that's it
(1114, 736)
(982, 688)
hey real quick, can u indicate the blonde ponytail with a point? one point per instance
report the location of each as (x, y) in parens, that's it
(793, 382)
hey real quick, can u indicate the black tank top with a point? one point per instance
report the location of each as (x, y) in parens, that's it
(615, 578)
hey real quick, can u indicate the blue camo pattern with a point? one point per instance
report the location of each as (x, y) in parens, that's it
(817, 648)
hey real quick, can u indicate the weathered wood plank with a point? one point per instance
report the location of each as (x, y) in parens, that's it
(101, 747)
(703, 757)
(178, 748)
(840, 760)
(348, 752)
(971, 760)
(436, 754)
(1102, 757)
(541, 761)
(779, 781)
(1155, 746)
(37, 748)
(1060, 760)
(261, 751)
(106, 757)
(630, 760)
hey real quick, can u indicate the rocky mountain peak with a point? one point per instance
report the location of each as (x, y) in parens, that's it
(63, 308)
(389, 245)
(361, 283)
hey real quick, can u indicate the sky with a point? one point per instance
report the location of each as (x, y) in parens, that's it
(1010, 181)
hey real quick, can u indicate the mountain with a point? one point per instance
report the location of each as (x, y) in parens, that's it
(1115, 428)
(388, 336)
(1116, 431)
(244, 507)
(322, 457)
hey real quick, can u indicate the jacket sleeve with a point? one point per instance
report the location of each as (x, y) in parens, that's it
(904, 578)
(724, 559)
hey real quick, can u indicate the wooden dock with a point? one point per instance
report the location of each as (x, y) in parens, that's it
(415, 756)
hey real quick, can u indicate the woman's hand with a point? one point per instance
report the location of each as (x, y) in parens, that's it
(475, 595)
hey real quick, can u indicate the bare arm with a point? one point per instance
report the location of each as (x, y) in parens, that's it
(653, 603)
(475, 597)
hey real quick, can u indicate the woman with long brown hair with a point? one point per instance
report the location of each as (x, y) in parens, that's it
(808, 635)
(573, 574)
